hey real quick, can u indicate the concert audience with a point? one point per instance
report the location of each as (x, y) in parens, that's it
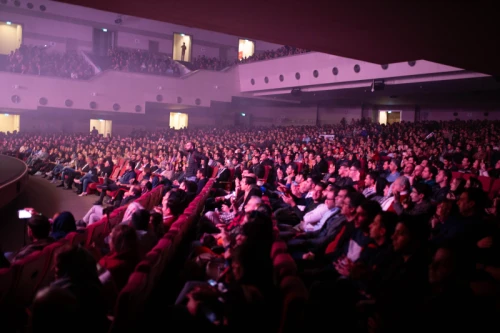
(37, 60)
(386, 240)
(283, 51)
(142, 61)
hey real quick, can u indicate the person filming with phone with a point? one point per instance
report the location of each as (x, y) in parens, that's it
(38, 232)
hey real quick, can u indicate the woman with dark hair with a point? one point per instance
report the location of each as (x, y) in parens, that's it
(380, 186)
(123, 256)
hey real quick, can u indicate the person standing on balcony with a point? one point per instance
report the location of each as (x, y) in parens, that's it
(183, 53)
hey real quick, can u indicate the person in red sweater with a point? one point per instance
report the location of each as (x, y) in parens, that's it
(123, 255)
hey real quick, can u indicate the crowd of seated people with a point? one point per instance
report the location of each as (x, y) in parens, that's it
(38, 60)
(391, 227)
(213, 64)
(142, 61)
(283, 51)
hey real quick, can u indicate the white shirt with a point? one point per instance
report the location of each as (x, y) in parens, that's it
(315, 219)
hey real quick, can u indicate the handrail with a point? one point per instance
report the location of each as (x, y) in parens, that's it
(7, 188)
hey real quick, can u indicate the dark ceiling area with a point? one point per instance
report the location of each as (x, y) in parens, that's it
(455, 33)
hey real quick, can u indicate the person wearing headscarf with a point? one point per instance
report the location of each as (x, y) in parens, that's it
(63, 224)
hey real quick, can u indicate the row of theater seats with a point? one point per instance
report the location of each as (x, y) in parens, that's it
(20, 282)
(294, 293)
(131, 304)
(490, 185)
(132, 299)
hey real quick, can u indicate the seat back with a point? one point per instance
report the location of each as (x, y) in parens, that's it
(30, 271)
(295, 297)
(7, 281)
(284, 266)
(495, 187)
(130, 304)
(278, 248)
(51, 251)
(116, 171)
(117, 216)
(77, 238)
(214, 172)
(486, 182)
(96, 233)
(466, 176)
(144, 200)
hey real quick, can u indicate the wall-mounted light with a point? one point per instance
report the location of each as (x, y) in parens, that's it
(182, 35)
(243, 114)
(6, 114)
(389, 111)
(104, 29)
(8, 22)
(178, 113)
(101, 120)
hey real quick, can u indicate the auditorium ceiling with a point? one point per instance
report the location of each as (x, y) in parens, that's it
(455, 33)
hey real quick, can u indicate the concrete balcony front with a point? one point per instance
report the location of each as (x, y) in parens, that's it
(320, 71)
(116, 91)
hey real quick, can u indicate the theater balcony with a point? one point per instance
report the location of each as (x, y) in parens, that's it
(320, 72)
(117, 91)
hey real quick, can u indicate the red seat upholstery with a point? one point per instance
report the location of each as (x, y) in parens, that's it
(486, 182)
(96, 233)
(77, 238)
(495, 187)
(49, 272)
(466, 176)
(144, 200)
(130, 304)
(29, 272)
(117, 216)
(92, 187)
(278, 248)
(299, 167)
(284, 266)
(295, 297)
(7, 281)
